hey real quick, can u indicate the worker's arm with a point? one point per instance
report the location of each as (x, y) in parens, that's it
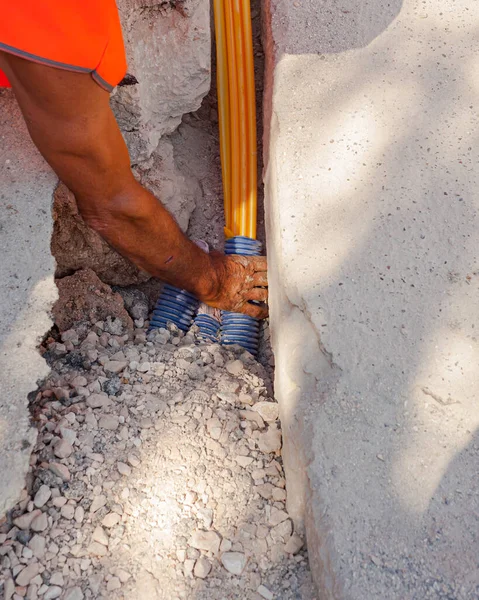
(70, 121)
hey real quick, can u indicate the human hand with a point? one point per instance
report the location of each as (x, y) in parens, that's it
(240, 279)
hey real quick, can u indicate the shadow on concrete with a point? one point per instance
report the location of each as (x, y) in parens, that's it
(377, 254)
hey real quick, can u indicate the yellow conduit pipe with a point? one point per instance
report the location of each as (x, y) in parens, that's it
(241, 217)
(252, 202)
(223, 106)
(234, 117)
(237, 114)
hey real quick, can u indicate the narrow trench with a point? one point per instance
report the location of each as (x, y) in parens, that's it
(157, 473)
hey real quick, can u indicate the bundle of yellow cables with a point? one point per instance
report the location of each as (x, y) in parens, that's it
(237, 114)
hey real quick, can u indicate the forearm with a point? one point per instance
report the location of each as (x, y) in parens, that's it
(138, 226)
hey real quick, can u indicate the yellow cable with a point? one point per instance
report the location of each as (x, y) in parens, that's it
(234, 118)
(252, 170)
(223, 105)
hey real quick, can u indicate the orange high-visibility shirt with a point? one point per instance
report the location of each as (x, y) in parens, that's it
(77, 35)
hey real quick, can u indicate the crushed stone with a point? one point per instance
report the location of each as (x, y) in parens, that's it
(157, 475)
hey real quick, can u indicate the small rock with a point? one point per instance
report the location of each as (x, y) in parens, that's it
(269, 411)
(209, 541)
(67, 511)
(100, 536)
(265, 593)
(98, 401)
(228, 397)
(124, 469)
(188, 567)
(279, 495)
(57, 579)
(60, 471)
(113, 584)
(277, 516)
(234, 562)
(235, 367)
(68, 434)
(109, 422)
(202, 568)
(27, 574)
(122, 575)
(110, 520)
(62, 449)
(25, 521)
(74, 593)
(37, 545)
(54, 591)
(270, 441)
(265, 490)
(42, 496)
(79, 514)
(134, 460)
(40, 523)
(244, 461)
(8, 589)
(115, 366)
(97, 549)
(98, 502)
(294, 544)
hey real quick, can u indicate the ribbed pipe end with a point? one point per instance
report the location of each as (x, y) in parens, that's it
(174, 306)
(237, 329)
(209, 328)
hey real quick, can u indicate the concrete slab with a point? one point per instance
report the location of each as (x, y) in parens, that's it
(373, 238)
(27, 290)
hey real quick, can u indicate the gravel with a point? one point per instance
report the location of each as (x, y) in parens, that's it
(164, 481)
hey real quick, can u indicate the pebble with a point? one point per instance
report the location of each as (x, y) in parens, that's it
(27, 574)
(269, 411)
(234, 562)
(202, 568)
(110, 520)
(270, 441)
(74, 593)
(277, 516)
(98, 502)
(25, 521)
(40, 523)
(53, 592)
(100, 536)
(235, 367)
(37, 545)
(97, 549)
(265, 593)
(62, 449)
(8, 589)
(294, 544)
(79, 514)
(67, 511)
(109, 422)
(124, 469)
(42, 496)
(60, 471)
(122, 575)
(115, 366)
(98, 401)
(206, 540)
(113, 584)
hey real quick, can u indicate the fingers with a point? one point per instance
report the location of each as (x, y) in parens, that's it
(256, 311)
(258, 294)
(260, 279)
